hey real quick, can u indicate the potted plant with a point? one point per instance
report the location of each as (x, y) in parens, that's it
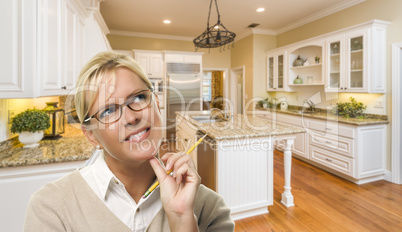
(352, 109)
(30, 125)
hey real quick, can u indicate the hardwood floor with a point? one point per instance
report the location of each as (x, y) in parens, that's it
(324, 202)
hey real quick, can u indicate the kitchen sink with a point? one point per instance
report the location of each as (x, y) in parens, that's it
(207, 118)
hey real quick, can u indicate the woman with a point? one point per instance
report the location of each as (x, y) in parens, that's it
(120, 115)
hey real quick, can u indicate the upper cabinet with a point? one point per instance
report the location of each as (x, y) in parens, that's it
(348, 60)
(357, 60)
(151, 61)
(276, 71)
(50, 42)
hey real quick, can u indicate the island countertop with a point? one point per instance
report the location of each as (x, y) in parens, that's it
(71, 146)
(240, 126)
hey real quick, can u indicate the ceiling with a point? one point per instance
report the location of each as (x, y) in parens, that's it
(189, 17)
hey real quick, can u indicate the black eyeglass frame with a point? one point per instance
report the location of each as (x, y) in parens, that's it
(126, 103)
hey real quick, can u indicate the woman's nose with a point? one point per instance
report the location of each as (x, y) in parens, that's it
(131, 117)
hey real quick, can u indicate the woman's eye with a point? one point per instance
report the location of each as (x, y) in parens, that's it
(108, 111)
(139, 98)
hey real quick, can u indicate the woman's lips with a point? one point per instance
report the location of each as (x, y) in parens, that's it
(138, 136)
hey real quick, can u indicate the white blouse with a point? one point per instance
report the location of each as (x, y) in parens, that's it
(137, 216)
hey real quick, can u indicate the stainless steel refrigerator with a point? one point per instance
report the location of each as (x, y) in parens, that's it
(183, 94)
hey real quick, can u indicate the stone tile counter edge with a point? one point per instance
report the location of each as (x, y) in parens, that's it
(71, 146)
(329, 116)
(242, 126)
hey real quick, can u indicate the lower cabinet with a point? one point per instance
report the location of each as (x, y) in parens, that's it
(353, 152)
(17, 184)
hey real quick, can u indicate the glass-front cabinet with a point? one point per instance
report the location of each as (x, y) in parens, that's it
(276, 71)
(347, 69)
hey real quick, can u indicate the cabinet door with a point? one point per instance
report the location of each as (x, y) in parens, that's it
(155, 67)
(356, 62)
(143, 60)
(270, 73)
(50, 50)
(335, 65)
(281, 71)
(71, 47)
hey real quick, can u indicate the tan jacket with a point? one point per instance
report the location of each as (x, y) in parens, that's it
(69, 204)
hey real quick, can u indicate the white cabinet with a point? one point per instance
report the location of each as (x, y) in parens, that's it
(183, 57)
(60, 46)
(276, 71)
(356, 153)
(18, 48)
(356, 60)
(17, 184)
(46, 43)
(152, 62)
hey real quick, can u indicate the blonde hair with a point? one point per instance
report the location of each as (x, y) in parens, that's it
(94, 72)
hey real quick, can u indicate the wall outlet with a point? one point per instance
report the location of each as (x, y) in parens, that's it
(379, 104)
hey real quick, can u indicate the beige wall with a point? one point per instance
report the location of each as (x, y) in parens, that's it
(242, 55)
(261, 44)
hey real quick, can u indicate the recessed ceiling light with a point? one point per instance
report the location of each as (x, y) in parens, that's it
(260, 9)
(166, 21)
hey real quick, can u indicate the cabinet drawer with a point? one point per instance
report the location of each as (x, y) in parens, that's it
(332, 160)
(338, 143)
(331, 127)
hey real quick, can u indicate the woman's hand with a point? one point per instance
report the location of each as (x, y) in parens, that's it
(178, 192)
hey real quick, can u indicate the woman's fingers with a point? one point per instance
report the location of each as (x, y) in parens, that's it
(160, 172)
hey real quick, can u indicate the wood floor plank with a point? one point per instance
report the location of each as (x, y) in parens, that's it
(325, 202)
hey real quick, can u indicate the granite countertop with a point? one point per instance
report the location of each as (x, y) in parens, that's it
(242, 126)
(329, 116)
(70, 146)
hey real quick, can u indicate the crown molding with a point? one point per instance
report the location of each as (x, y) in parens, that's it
(151, 35)
(341, 6)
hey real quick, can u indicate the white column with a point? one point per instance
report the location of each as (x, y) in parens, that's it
(287, 197)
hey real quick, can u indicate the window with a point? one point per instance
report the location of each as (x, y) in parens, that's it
(206, 86)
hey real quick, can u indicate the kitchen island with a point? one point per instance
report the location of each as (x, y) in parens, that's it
(241, 167)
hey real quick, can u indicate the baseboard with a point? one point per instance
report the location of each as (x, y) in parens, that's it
(388, 176)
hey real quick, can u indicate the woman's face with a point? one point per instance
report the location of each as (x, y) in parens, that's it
(136, 136)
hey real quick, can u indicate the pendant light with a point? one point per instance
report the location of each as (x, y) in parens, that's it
(216, 35)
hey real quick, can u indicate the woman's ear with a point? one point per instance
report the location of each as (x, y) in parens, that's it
(90, 136)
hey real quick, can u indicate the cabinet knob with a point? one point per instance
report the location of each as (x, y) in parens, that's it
(330, 160)
(64, 87)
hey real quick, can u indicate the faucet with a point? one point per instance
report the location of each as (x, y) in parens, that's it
(311, 104)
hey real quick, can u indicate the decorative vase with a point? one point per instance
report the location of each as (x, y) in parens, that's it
(298, 80)
(30, 139)
(298, 62)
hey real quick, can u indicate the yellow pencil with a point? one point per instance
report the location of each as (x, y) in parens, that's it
(149, 191)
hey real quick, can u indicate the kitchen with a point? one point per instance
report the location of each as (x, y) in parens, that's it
(249, 51)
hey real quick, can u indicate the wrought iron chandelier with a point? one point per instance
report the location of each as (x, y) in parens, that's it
(216, 35)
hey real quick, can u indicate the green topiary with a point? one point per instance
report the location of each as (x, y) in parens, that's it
(31, 120)
(351, 109)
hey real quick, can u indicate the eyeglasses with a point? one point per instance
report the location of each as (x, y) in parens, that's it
(112, 113)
